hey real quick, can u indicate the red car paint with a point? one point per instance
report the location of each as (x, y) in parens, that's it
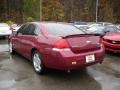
(59, 52)
(112, 42)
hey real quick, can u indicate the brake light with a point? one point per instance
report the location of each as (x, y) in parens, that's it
(61, 44)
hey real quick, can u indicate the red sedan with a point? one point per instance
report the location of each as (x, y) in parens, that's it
(56, 45)
(112, 42)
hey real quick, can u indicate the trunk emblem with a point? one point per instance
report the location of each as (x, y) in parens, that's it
(73, 63)
(88, 41)
(113, 42)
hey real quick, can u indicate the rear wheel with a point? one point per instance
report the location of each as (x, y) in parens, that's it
(38, 65)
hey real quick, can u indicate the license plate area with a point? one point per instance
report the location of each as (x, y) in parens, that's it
(90, 58)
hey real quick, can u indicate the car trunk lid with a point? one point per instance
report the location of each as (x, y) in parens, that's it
(83, 43)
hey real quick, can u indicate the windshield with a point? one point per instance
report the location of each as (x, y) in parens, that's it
(62, 29)
(95, 29)
(111, 29)
(99, 29)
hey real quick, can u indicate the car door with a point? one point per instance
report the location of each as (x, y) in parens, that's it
(28, 40)
(17, 39)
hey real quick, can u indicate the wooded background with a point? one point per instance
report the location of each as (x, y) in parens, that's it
(21, 11)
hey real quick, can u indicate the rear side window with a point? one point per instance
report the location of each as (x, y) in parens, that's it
(62, 29)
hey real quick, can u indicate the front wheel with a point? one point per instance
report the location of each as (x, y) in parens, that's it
(11, 48)
(38, 63)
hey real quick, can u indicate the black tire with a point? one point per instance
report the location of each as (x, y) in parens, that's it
(38, 64)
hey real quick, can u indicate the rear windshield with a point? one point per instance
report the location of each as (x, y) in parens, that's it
(62, 29)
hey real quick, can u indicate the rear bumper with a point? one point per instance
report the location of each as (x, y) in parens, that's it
(111, 47)
(69, 61)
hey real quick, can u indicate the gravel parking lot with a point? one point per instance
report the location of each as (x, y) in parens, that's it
(16, 73)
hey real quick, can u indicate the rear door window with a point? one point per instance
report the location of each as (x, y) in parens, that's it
(28, 29)
(31, 29)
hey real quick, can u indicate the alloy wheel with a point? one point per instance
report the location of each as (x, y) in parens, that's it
(37, 62)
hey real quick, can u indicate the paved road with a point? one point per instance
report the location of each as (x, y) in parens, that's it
(16, 73)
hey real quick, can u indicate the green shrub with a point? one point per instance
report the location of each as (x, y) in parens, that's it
(30, 19)
(9, 22)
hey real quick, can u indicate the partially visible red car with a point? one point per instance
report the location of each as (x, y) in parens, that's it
(56, 45)
(112, 42)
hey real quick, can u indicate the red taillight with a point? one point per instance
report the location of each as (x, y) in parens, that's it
(61, 44)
